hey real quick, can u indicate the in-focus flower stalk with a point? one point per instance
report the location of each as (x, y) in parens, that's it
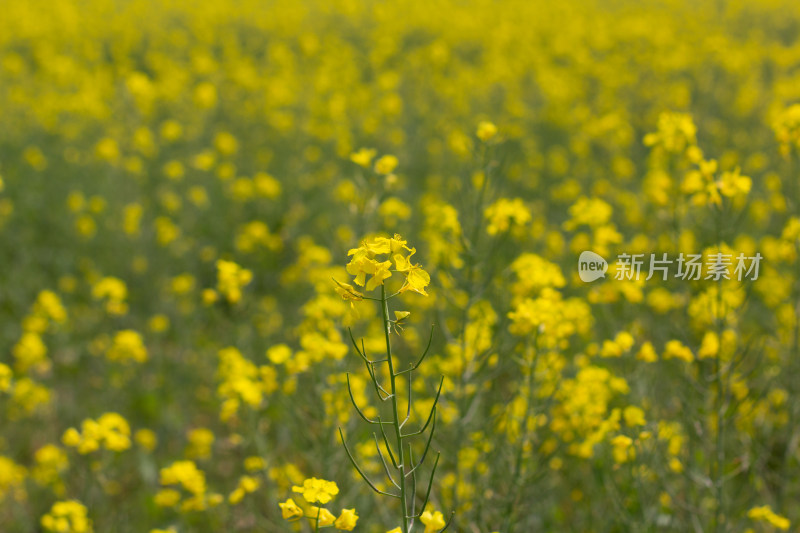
(367, 262)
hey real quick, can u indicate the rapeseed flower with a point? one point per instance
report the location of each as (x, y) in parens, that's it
(317, 490)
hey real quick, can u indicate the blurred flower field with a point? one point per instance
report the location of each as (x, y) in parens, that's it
(236, 234)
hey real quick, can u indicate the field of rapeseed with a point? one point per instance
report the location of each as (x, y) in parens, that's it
(476, 266)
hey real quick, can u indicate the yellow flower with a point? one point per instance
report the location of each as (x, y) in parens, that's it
(324, 517)
(230, 280)
(114, 292)
(347, 520)
(506, 214)
(401, 315)
(634, 416)
(766, 514)
(363, 157)
(290, 510)
(317, 490)
(416, 279)
(433, 521)
(67, 517)
(386, 164)
(127, 346)
(167, 497)
(200, 442)
(486, 131)
(186, 474)
(362, 266)
(395, 530)
(732, 184)
(348, 292)
(622, 449)
(254, 463)
(5, 378)
(146, 438)
(676, 349)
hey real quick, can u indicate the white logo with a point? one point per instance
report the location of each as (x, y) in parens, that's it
(591, 266)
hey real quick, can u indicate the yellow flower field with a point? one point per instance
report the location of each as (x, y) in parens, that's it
(417, 266)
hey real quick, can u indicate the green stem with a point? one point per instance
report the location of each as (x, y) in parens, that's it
(719, 463)
(525, 431)
(460, 394)
(395, 413)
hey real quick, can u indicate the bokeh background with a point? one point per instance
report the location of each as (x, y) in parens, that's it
(180, 182)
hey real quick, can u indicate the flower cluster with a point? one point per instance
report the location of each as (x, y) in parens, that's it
(185, 475)
(110, 431)
(67, 517)
(375, 258)
(126, 346)
(230, 280)
(316, 490)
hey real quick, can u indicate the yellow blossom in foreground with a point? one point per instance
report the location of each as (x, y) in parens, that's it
(290, 510)
(317, 490)
(347, 520)
(324, 517)
(365, 262)
(433, 521)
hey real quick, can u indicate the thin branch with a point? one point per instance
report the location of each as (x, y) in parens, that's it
(408, 410)
(388, 447)
(435, 401)
(449, 521)
(419, 362)
(430, 484)
(355, 345)
(358, 410)
(413, 488)
(427, 444)
(378, 388)
(362, 352)
(371, 370)
(383, 460)
(376, 489)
